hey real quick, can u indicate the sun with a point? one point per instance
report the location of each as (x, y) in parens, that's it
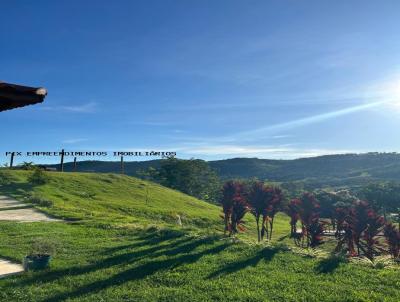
(390, 93)
(395, 102)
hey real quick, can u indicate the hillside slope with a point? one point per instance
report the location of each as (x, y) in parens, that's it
(109, 198)
(97, 260)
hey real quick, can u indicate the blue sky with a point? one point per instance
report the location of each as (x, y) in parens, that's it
(207, 79)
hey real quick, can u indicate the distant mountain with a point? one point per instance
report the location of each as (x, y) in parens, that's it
(332, 170)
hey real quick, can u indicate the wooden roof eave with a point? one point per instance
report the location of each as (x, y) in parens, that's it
(14, 96)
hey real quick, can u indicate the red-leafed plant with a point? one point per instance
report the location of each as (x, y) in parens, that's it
(340, 214)
(392, 236)
(265, 202)
(274, 205)
(312, 226)
(258, 202)
(234, 206)
(370, 234)
(239, 210)
(229, 191)
(361, 227)
(293, 212)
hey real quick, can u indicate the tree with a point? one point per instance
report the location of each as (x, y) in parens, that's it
(193, 177)
(328, 201)
(27, 165)
(383, 197)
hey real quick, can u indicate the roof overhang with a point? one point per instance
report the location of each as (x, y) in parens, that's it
(14, 96)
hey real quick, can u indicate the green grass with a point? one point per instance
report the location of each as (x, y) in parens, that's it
(124, 265)
(112, 199)
(114, 255)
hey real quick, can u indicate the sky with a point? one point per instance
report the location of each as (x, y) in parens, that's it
(205, 79)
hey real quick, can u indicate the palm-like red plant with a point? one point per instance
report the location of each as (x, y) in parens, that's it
(361, 227)
(274, 205)
(392, 236)
(312, 227)
(234, 206)
(239, 210)
(230, 190)
(293, 212)
(369, 236)
(265, 202)
(340, 214)
(258, 202)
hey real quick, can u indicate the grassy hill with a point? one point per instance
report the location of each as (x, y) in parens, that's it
(329, 170)
(118, 245)
(110, 198)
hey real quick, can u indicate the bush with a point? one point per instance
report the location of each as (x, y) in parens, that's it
(5, 178)
(37, 200)
(88, 195)
(43, 247)
(38, 177)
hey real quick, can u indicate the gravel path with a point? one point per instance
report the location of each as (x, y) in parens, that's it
(8, 268)
(13, 210)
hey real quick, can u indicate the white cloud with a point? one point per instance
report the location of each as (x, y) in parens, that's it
(318, 118)
(272, 152)
(83, 108)
(74, 140)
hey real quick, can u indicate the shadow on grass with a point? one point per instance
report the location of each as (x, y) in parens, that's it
(182, 254)
(176, 250)
(16, 190)
(280, 239)
(266, 254)
(148, 238)
(329, 265)
(127, 257)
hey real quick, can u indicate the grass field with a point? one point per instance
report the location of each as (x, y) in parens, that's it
(119, 245)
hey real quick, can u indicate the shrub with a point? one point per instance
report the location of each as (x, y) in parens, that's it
(37, 200)
(5, 178)
(43, 247)
(38, 177)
